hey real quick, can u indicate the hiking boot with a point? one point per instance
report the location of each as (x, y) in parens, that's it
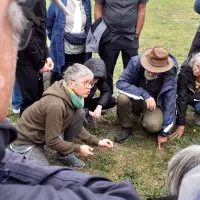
(90, 121)
(196, 119)
(70, 160)
(123, 135)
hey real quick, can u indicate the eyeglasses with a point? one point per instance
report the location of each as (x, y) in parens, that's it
(197, 67)
(88, 84)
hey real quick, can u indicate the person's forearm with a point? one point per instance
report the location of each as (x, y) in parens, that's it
(140, 18)
(98, 9)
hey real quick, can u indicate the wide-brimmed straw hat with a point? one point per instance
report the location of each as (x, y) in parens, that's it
(156, 60)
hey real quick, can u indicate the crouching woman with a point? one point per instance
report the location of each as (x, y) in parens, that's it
(188, 93)
(59, 110)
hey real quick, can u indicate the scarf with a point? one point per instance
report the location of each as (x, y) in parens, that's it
(78, 102)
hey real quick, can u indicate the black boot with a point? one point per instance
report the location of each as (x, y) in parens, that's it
(123, 135)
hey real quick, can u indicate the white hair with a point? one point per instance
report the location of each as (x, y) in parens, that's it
(77, 71)
(195, 58)
(17, 19)
(179, 165)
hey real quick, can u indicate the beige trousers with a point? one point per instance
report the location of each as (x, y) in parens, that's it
(128, 107)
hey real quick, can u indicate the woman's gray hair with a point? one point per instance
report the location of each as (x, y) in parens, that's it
(195, 58)
(76, 71)
(17, 20)
(179, 165)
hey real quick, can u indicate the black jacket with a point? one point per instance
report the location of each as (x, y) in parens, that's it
(185, 92)
(36, 51)
(97, 66)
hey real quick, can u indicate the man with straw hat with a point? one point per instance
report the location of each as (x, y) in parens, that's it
(148, 89)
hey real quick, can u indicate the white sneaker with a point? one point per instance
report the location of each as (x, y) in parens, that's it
(16, 111)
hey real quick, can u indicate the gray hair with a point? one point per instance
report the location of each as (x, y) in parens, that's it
(77, 71)
(179, 165)
(17, 20)
(195, 58)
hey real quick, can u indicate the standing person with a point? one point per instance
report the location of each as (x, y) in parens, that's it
(68, 34)
(148, 88)
(125, 20)
(34, 59)
(94, 105)
(195, 48)
(16, 98)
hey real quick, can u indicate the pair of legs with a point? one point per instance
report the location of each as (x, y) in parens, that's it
(70, 59)
(16, 97)
(128, 107)
(109, 52)
(30, 84)
(36, 152)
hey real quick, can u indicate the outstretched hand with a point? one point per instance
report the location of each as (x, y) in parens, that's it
(106, 143)
(161, 140)
(178, 133)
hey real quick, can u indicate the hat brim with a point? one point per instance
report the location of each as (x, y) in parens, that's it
(145, 63)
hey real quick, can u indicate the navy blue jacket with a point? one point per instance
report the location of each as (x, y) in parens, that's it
(27, 180)
(56, 29)
(127, 82)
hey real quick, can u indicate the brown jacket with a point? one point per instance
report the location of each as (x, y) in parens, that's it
(43, 122)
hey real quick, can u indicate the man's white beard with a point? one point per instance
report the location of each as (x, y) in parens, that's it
(149, 77)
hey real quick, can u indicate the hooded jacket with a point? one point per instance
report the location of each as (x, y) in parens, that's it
(185, 92)
(43, 122)
(97, 66)
(166, 100)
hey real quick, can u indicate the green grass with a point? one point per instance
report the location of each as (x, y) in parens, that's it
(171, 24)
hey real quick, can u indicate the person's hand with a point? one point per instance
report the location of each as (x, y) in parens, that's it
(106, 143)
(92, 114)
(161, 140)
(178, 133)
(151, 104)
(85, 150)
(97, 112)
(44, 69)
(49, 63)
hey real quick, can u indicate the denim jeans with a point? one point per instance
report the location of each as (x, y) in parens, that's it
(16, 96)
(197, 107)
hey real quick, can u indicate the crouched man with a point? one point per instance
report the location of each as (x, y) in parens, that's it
(148, 89)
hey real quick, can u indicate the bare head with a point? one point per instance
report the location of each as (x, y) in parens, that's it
(179, 165)
(195, 64)
(79, 78)
(11, 26)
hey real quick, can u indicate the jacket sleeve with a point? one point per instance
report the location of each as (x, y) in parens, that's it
(182, 98)
(34, 55)
(50, 19)
(105, 92)
(88, 138)
(197, 6)
(125, 83)
(54, 124)
(169, 101)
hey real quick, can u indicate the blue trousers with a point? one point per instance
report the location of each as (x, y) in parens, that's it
(16, 96)
(197, 107)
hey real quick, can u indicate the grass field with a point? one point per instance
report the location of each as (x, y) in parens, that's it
(171, 24)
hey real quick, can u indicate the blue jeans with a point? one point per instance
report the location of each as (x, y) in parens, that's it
(16, 96)
(197, 107)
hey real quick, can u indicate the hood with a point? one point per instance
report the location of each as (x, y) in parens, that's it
(58, 90)
(97, 66)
